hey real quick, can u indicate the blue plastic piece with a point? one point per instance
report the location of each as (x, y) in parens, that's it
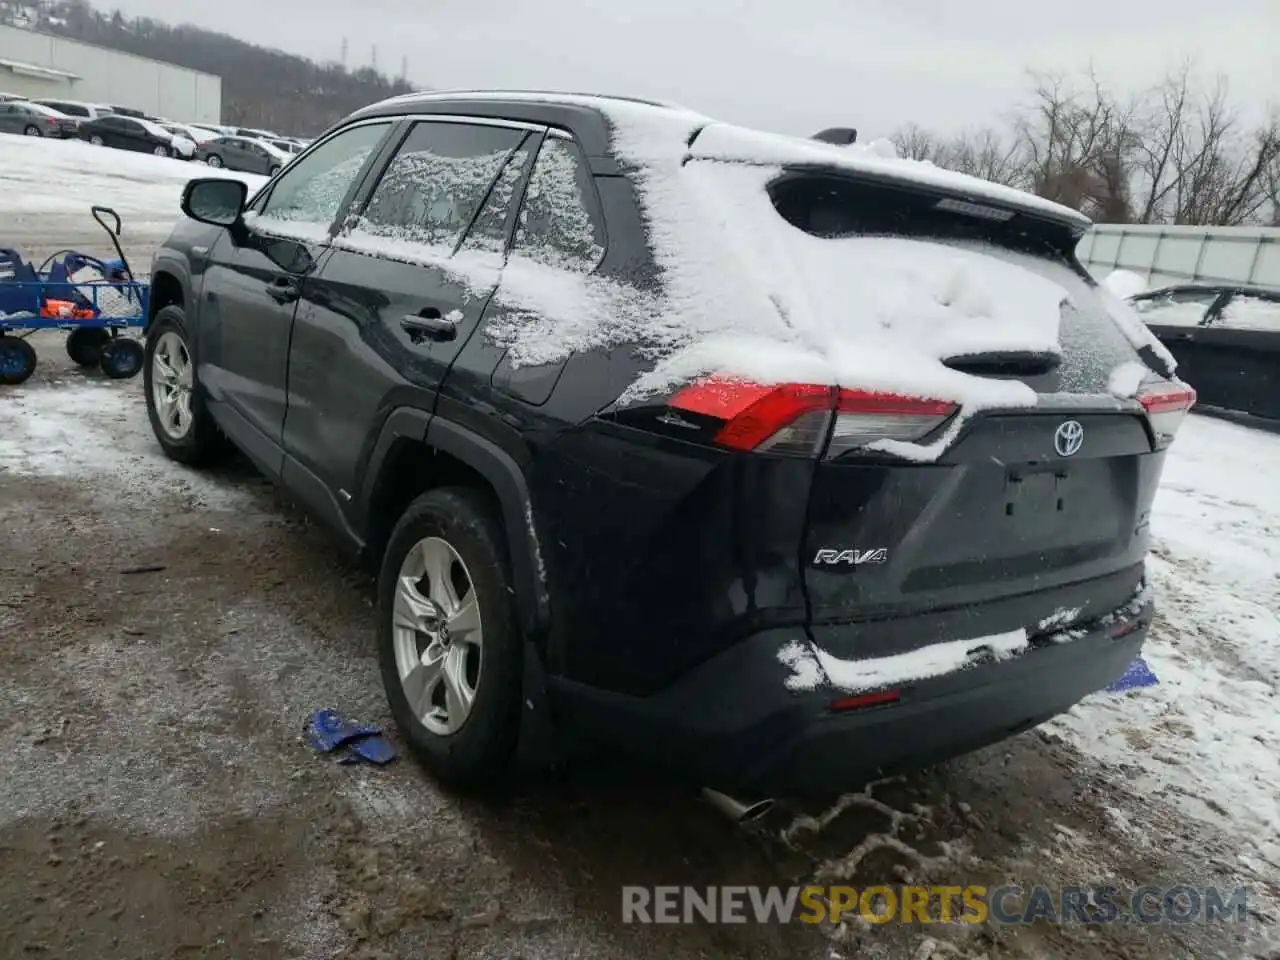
(1137, 675)
(327, 731)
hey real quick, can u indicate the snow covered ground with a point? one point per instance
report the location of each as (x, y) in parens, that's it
(47, 187)
(1207, 737)
(38, 175)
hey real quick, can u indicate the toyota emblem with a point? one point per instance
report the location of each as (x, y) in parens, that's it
(1068, 438)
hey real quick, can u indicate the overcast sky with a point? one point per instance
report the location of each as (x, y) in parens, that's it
(791, 65)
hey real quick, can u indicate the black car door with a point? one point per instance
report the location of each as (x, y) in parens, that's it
(1177, 317)
(252, 283)
(1238, 362)
(398, 296)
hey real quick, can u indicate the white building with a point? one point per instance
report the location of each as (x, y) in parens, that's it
(39, 65)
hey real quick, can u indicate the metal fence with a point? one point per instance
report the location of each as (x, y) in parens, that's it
(1170, 255)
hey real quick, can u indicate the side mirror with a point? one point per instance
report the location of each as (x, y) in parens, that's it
(214, 200)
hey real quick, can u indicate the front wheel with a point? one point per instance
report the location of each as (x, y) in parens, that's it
(96, 140)
(448, 642)
(162, 151)
(175, 405)
(33, 131)
(274, 170)
(214, 160)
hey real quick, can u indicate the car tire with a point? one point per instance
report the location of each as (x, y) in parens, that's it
(96, 140)
(273, 171)
(198, 441)
(214, 160)
(480, 750)
(33, 131)
(84, 345)
(162, 152)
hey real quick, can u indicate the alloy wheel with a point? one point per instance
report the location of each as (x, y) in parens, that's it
(437, 635)
(171, 381)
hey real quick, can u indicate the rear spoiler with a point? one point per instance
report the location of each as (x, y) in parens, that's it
(840, 136)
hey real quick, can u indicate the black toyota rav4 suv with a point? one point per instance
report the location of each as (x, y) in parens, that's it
(781, 521)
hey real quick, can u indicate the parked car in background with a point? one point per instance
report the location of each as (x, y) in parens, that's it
(127, 111)
(36, 120)
(254, 133)
(1226, 339)
(443, 328)
(245, 154)
(286, 145)
(197, 135)
(77, 108)
(132, 133)
(6, 97)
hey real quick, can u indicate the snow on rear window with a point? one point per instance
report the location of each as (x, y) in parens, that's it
(1251, 313)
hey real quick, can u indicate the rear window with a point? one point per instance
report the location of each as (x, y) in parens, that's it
(835, 207)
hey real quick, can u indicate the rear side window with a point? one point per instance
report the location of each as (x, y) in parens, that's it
(311, 191)
(435, 184)
(71, 109)
(1248, 312)
(559, 223)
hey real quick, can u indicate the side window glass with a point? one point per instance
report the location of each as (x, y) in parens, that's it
(1184, 308)
(312, 191)
(435, 184)
(1245, 312)
(558, 225)
(489, 229)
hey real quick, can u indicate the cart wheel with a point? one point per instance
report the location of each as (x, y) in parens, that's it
(121, 358)
(84, 345)
(17, 360)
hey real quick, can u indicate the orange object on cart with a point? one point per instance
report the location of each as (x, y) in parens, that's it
(66, 310)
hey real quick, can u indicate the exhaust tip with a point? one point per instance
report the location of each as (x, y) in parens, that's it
(739, 811)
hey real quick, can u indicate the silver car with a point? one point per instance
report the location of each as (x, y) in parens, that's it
(36, 120)
(243, 153)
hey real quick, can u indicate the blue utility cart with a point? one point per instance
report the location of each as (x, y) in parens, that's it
(96, 301)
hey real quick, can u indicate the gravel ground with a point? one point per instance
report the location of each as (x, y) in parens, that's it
(164, 634)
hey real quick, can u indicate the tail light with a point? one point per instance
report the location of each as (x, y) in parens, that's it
(1166, 404)
(794, 418)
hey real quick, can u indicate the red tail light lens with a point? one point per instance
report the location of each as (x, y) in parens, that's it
(1166, 404)
(794, 418)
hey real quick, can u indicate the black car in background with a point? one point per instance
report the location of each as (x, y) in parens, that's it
(1226, 339)
(755, 582)
(129, 133)
(36, 120)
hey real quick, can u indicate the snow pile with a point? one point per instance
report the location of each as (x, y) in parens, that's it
(39, 175)
(1124, 283)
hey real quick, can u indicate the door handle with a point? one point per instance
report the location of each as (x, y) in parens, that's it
(1182, 336)
(428, 324)
(283, 290)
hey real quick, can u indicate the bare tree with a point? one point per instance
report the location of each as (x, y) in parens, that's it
(1176, 153)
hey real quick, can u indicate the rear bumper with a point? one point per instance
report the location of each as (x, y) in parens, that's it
(733, 723)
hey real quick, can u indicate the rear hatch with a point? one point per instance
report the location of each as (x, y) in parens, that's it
(931, 518)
